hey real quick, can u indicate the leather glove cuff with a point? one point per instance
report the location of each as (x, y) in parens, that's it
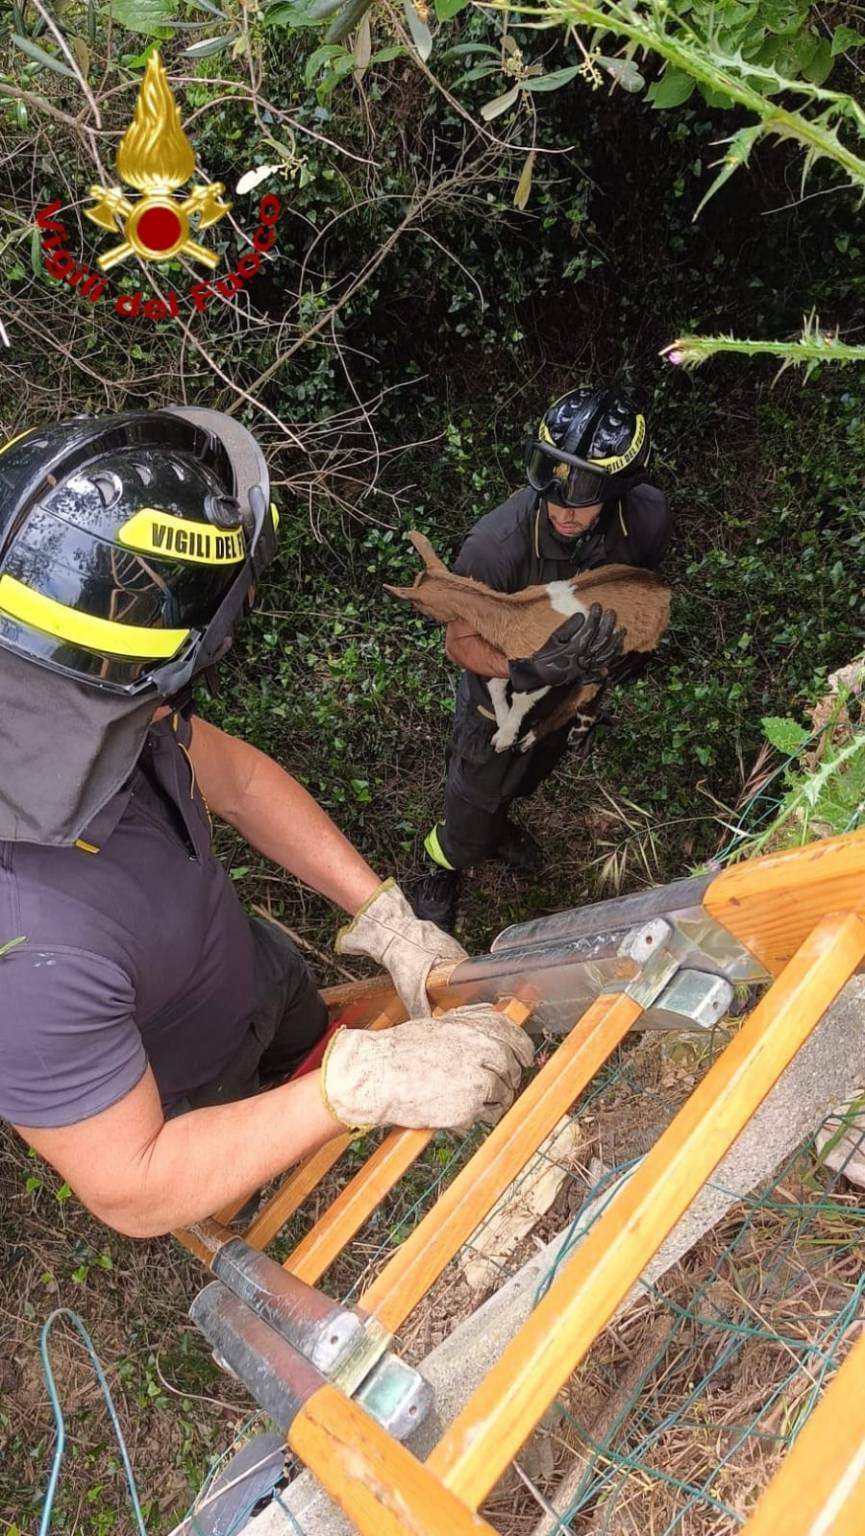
(387, 931)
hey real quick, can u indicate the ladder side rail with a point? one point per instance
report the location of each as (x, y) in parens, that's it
(488, 1433)
(427, 1251)
(819, 1490)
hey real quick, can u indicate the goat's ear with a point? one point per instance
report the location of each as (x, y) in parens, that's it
(427, 553)
(409, 593)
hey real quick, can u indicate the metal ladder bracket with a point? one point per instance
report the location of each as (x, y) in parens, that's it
(281, 1377)
(664, 986)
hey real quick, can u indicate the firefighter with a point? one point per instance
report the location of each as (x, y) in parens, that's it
(589, 501)
(141, 1011)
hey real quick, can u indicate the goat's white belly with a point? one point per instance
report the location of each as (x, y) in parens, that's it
(563, 599)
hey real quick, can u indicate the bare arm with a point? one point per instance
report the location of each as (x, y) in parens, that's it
(144, 1175)
(465, 647)
(277, 816)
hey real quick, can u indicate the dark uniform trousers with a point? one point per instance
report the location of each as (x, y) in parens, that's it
(481, 784)
(290, 1018)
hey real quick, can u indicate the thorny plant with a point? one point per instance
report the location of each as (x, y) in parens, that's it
(814, 347)
(823, 773)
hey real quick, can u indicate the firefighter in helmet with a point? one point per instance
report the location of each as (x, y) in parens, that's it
(142, 1012)
(588, 501)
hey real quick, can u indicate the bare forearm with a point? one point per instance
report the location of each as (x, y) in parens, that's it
(478, 656)
(209, 1158)
(281, 819)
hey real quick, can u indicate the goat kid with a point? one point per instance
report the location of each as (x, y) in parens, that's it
(520, 623)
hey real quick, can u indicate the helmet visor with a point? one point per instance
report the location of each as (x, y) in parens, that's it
(563, 477)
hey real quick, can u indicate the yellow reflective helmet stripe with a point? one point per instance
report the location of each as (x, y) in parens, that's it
(103, 635)
(16, 439)
(151, 531)
(622, 460)
(434, 849)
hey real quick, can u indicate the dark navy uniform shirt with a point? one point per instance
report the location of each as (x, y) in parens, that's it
(515, 546)
(136, 951)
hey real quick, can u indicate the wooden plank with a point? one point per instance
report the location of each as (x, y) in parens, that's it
(378, 1483)
(371, 1184)
(304, 1179)
(770, 904)
(489, 1431)
(820, 1489)
(425, 1253)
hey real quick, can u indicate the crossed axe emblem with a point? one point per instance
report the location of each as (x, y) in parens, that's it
(156, 226)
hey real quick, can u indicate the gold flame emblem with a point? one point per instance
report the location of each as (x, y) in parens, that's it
(156, 158)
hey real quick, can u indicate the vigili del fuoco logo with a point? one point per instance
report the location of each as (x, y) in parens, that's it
(156, 159)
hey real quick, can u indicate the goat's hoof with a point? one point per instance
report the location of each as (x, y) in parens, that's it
(528, 742)
(501, 743)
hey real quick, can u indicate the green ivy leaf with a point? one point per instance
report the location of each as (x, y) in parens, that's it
(785, 736)
(671, 90)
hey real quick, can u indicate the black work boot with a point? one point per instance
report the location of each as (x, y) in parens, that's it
(434, 896)
(519, 850)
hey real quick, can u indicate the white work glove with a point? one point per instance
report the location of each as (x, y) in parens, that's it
(442, 1073)
(387, 931)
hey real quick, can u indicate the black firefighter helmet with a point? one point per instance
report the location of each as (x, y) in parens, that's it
(131, 544)
(589, 445)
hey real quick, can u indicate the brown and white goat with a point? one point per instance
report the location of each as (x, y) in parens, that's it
(520, 623)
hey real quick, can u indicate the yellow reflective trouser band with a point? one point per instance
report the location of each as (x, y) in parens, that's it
(106, 635)
(434, 849)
